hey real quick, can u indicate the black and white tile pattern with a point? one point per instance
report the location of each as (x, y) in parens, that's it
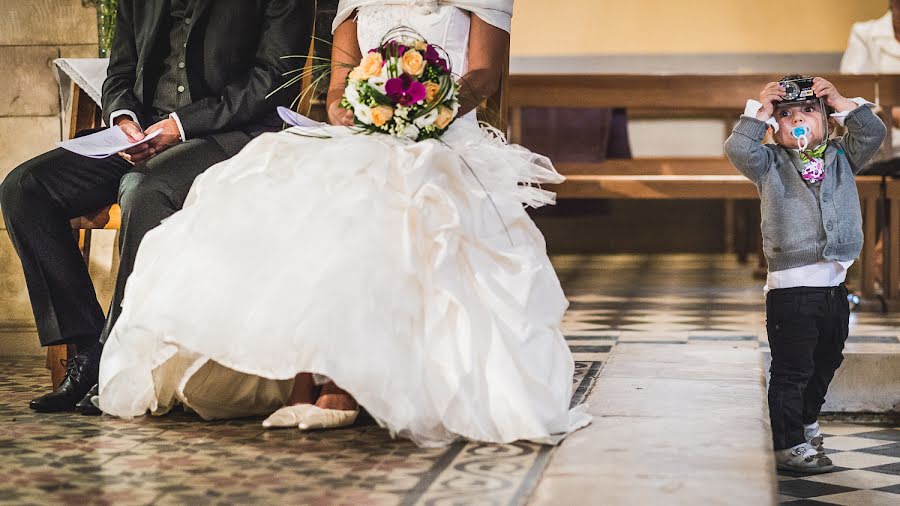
(868, 462)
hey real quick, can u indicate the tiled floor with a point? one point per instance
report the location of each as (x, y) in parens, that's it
(868, 461)
(682, 299)
(620, 298)
(66, 458)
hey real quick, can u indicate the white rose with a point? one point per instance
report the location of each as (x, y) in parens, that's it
(378, 83)
(352, 95)
(427, 119)
(410, 132)
(363, 113)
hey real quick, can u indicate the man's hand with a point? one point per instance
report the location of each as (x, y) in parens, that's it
(896, 115)
(134, 133)
(773, 92)
(169, 137)
(139, 154)
(825, 90)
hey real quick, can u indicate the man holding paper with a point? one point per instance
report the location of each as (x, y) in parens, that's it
(194, 74)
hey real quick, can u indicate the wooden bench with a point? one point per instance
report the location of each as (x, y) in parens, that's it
(697, 97)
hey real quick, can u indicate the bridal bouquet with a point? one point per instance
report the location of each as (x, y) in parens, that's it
(404, 88)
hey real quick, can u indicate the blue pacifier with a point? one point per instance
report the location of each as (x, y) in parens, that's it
(800, 131)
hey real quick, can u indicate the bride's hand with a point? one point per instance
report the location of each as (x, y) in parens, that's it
(339, 116)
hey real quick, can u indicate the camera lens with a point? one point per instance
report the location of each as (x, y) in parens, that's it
(791, 90)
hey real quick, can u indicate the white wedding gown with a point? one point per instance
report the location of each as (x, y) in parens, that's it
(379, 263)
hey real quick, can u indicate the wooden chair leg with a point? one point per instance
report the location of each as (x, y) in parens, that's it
(56, 360)
(894, 251)
(84, 244)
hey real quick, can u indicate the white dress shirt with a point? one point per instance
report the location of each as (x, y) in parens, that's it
(873, 48)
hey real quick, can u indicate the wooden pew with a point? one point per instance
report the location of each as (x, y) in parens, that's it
(693, 96)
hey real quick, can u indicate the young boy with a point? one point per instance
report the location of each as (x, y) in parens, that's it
(812, 232)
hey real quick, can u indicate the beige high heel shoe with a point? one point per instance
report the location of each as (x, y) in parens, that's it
(310, 417)
(318, 418)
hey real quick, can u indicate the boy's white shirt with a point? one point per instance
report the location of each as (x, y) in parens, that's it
(821, 274)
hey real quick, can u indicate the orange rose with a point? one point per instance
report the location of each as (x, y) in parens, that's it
(382, 114)
(445, 116)
(431, 91)
(413, 63)
(357, 74)
(371, 65)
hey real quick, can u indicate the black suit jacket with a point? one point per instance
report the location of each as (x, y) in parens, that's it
(233, 60)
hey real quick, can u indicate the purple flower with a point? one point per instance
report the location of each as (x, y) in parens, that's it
(392, 48)
(433, 57)
(404, 90)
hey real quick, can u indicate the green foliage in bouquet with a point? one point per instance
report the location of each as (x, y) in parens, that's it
(106, 23)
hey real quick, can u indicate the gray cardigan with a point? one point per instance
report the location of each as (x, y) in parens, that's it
(803, 224)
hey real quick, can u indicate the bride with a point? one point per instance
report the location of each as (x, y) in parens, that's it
(307, 274)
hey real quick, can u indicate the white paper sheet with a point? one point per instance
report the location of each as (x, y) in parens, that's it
(294, 118)
(103, 143)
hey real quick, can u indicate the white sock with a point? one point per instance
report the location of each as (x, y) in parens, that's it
(812, 430)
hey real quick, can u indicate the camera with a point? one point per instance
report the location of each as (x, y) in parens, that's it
(798, 90)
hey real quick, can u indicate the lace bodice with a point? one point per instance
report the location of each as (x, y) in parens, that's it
(443, 25)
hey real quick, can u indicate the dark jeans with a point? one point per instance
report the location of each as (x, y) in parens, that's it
(807, 328)
(39, 198)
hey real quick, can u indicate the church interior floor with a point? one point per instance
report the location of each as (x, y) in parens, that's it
(692, 300)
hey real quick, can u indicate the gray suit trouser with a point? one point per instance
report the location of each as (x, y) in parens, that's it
(39, 198)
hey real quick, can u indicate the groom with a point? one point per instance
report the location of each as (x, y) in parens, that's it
(200, 71)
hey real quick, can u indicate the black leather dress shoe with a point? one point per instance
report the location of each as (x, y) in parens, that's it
(85, 406)
(81, 375)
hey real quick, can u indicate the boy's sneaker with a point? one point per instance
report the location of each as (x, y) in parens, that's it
(803, 458)
(814, 436)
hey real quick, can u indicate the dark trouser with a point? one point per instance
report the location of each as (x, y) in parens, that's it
(39, 198)
(807, 328)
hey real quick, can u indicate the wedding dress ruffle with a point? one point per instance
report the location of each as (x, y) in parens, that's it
(379, 263)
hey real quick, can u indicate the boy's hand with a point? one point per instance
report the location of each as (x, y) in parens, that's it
(825, 90)
(773, 92)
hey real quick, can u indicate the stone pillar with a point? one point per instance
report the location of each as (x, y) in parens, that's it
(32, 34)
